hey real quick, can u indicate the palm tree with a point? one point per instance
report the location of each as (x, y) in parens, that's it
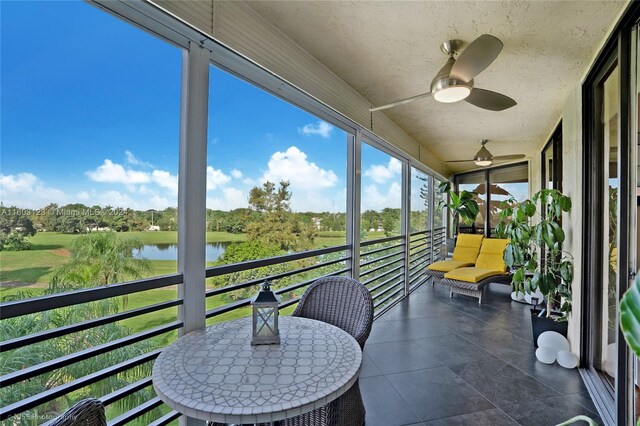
(100, 258)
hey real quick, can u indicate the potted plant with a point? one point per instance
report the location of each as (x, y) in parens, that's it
(551, 274)
(462, 206)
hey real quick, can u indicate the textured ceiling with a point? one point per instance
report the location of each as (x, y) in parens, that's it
(390, 50)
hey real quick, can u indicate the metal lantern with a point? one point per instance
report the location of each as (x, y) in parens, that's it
(265, 317)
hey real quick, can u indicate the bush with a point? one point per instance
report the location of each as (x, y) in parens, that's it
(13, 241)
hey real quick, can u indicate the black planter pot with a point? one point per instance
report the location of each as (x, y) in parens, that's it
(541, 324)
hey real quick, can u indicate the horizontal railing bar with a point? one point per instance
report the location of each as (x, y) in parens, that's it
(387, 281)
(166, 419)
(419, 278)
(377, 268)
(416, 272)
(415, 268)
(418, 284)
(381, 258)
(439, 229)
(384, 274)
(420, 259)
(53, 301)
(419, 252)
(45, 367)
(228, 308)
(136, 412)
(288, 303)
(226, 289)
(420, 238)
(383, 301)
(307, 282)
(246, 302)
(388, 289)
(381, 240)
(378, 250)
(424, 231)
(123, 392)
(31, 339)
(51, 394)
(253, 264)
(426, 243)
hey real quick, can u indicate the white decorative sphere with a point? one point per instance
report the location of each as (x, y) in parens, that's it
(536, 294)
(517, 296)
(567, 359)
(553, 340)
(546, 355)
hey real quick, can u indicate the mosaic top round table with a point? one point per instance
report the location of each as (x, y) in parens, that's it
(214, 374)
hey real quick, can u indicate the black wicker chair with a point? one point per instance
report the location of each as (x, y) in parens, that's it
(347, 304)
(88, 412)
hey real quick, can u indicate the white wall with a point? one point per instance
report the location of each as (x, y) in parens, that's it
(572, 186)
(238, 26)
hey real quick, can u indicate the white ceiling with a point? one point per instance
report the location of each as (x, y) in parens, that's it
(387, 50)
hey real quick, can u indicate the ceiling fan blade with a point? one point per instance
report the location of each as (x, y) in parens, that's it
(509, 157)
(459, 161)
(476, 57)
(487, 99)
(401, 102)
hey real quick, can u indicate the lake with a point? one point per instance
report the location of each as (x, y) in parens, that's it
(170, 251)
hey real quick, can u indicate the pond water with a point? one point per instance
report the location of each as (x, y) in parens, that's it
(170, 251)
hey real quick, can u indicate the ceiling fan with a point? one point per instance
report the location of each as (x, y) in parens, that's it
(484, 158)
(454, 81)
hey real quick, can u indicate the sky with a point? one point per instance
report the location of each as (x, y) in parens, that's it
(90, 113)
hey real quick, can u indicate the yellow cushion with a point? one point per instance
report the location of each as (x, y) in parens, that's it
(470, 275)
(491, 254)
(448, 265)
(467, 247)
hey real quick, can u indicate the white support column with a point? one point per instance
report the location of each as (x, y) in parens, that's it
(192, 186)
(405, 228)
(353, 202)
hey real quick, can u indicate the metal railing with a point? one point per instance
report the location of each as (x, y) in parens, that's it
(382, 269)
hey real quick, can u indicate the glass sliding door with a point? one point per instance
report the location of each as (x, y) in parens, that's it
(473, 182)
(505, 184)
(609, 230)
(605, 360)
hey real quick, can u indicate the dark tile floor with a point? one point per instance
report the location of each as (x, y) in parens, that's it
(433, 360)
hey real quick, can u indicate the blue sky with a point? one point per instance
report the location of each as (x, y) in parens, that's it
(90, 113)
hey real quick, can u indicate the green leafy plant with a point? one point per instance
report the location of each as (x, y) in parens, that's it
(462, 206)
(552, 274)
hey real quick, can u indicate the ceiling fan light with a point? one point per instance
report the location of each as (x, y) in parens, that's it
(483, 163)
(452, 94)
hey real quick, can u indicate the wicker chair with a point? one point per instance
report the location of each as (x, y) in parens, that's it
(347, 304)
(88, 412)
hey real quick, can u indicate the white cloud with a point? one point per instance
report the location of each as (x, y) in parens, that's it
(320, 128)
(26, 190)
(110, 172)
(375, 199)
(232, 198)
(216, 178)
(293, 166)
(380, 173)
(237, 174)
(134, 161)
(166, 180)
(83, 195)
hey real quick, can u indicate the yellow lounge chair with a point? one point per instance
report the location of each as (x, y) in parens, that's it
(464, 254)
(490, 267)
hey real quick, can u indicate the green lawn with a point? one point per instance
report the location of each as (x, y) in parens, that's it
(51, 249)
